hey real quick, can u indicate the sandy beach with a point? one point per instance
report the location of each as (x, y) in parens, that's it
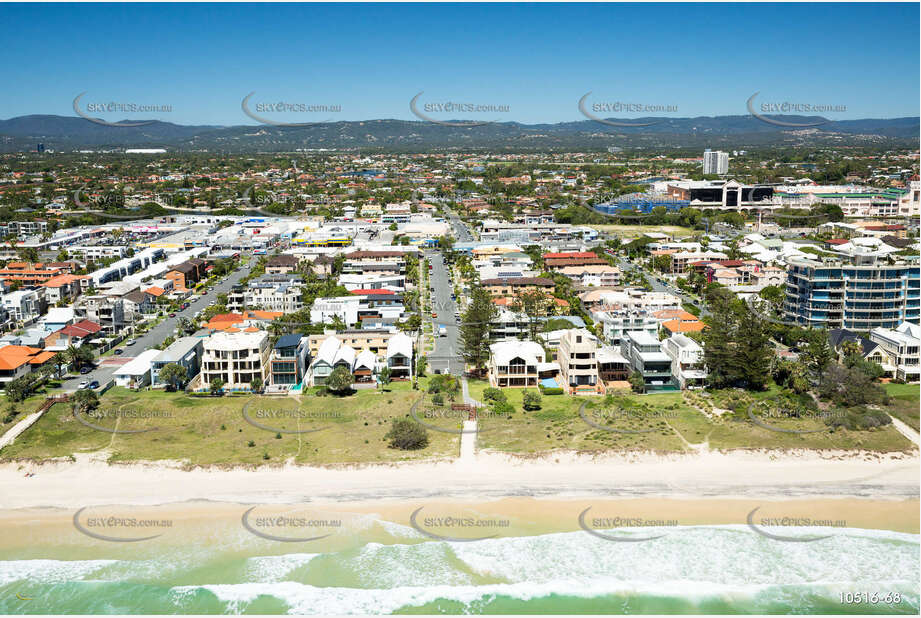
(768, 475)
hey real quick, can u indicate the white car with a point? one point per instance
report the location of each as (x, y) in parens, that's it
(131, 342)
(83, 384)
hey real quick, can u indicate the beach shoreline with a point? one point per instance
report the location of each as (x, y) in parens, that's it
(772, 475)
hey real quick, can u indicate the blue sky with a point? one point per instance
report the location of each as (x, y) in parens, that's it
(538, 59)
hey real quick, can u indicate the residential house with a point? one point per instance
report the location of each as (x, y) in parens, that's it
(281, 264)
(78, 333)
(578, 362)
(275, 293)
(185, 352)
(515, 363)
(138, 304)
(400, 356)
(687, 356)
(107, 311)
(511, 287)
(17, 361)
(237, 358)
(23, 305)
(289, 360)
(135, 373)
(63, 288)
(597, 275)
(902, 344)
(644, 352)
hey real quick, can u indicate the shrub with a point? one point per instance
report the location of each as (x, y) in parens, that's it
(551, 391)
(438, 399)
(503, 408)
(531, 401)
(407, 435)
(493, 394)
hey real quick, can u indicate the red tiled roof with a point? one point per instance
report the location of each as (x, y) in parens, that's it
(372, 291)
(83, 328)
(569, 254)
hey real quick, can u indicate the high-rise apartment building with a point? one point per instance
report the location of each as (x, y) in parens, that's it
(716, 162)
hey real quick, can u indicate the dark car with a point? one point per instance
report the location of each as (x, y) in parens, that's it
(85, 370)
(93, 384)
(118, 351)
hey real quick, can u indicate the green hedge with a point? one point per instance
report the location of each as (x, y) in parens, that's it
(551, 391)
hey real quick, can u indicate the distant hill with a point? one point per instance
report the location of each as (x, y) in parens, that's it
(69, 133)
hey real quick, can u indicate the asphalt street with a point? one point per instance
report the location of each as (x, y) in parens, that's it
(161, 331)
(446, 355)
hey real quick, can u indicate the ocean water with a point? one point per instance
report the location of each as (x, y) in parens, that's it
(377, 567)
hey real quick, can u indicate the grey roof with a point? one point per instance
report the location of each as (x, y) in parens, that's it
(837, 336)
(288, 341)
(177, 349)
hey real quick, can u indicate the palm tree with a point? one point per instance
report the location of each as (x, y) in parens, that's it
(58, 361)
(72, 354)
(84, 400)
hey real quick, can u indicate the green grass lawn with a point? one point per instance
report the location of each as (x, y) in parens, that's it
(558, 424)
(666, 422)
(904, 404)
(205, 430)
(351, 429)
(735, 430)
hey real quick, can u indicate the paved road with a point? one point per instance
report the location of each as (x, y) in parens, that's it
(162, 330)
(446, 355)
(461, 233)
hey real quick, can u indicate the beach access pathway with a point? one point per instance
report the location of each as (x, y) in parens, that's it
(468, 437)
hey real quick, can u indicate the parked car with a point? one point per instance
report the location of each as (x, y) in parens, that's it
(93, 384)
(85, 370)
(118, 351)
(83, 384)
(172, 315)
(131, 342)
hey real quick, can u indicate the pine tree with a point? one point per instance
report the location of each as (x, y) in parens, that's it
(474, 331)
(753, 357)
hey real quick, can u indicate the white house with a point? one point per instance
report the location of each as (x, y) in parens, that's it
(515, 363)
(687, 360)
(136, 372)
(325, 309)
(236, 358)
(902, 345)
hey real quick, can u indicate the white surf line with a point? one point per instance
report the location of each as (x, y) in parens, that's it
(906, 431)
